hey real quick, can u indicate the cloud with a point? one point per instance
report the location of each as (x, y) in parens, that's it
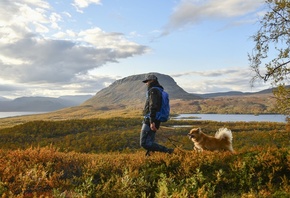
(191, 12)
(80, 85)
(7, 87)
(114, 41)
(29, 55)
(80, 4)
(18, 18)
(211, 73)
(43, 60)
(231, 79)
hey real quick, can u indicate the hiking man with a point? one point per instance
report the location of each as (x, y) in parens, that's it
(150, 123)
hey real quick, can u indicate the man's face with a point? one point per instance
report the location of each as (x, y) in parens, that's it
(148, 82)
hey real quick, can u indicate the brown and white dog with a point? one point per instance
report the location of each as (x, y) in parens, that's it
(222, 141)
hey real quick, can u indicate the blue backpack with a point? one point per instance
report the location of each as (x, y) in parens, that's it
(163, 114)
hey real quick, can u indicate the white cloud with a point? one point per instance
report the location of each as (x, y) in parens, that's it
(114, 42)
(59, 60)
(213, 73)
(18, 18)
(67, 35)
(191, 12)
(80, 4)
(230, 79)
(55, 18)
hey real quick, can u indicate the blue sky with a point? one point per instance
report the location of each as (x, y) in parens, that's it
(54, 48)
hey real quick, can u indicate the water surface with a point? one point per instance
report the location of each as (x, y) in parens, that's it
(234, 117)
(13, 114)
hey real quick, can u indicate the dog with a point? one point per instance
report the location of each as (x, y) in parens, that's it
(222, 141)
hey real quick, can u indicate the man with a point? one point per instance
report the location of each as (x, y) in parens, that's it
(150, 123)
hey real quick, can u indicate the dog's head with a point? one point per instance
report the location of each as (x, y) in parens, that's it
(194, 133)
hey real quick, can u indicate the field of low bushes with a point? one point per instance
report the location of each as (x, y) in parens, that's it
(102, 158)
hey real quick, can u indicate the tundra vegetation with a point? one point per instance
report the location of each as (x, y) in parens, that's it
(102, 158)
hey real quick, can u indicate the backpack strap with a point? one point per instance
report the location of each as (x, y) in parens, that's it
(159, 88)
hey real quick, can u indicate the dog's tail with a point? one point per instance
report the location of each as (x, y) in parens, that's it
(224, 133)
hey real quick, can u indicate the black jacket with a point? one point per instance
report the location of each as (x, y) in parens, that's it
(153, 102)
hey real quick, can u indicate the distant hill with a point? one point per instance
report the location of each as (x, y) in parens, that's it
(4, 99)
(41, 104)
(229, 93)
(76, 99)
(131, 91)
(235, 93)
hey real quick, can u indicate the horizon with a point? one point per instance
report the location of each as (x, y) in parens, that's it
(35, 96)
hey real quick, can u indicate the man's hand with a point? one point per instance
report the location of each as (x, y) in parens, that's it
(152, 127)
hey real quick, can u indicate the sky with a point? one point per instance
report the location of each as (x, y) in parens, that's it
(78, 47)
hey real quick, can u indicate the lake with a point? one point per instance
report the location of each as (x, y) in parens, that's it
(234, 117)
(211, 117)
(12, 114)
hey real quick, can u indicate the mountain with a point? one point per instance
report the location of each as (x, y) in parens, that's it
(238, 93)
(131, 91)
(4, 99)
(234, 93)
(41, 104)
(229, 93)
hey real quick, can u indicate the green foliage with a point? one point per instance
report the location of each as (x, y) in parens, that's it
(282, 94)
(273, 38)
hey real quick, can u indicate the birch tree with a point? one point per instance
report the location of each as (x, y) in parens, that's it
(270, 58)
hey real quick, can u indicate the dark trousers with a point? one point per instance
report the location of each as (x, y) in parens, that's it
(147, 139)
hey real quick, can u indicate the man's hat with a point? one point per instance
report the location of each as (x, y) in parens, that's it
(149, 77)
